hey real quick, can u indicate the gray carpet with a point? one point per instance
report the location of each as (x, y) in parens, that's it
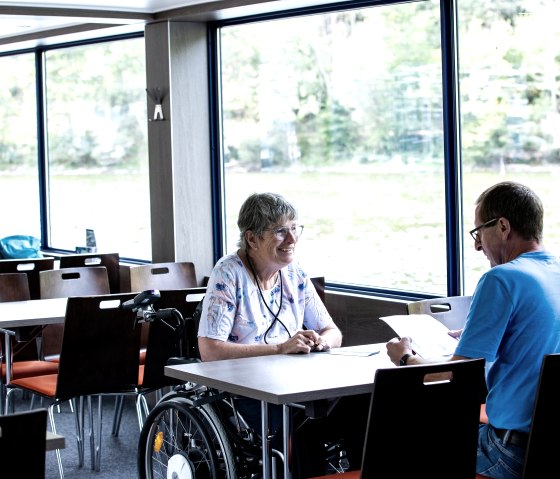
(118, 453)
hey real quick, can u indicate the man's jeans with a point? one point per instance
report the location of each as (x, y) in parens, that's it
(496, 458)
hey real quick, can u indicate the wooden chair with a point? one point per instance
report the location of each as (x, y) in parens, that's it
(319, 283)
(31, 267)
(451, 311)
(15, 287)
(162, 276)
(23, 444)
(63, 283)
(28, 346)
(163, 344)
(438, 422)
(111, 261)
(540, 455)
(85, 367)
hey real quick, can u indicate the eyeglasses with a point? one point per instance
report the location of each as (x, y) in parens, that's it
(475, 233)
(281, 233)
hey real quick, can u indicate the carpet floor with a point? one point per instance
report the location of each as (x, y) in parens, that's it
(118, 453)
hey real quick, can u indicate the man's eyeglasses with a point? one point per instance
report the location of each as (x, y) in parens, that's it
(281, 233)
(475, 233)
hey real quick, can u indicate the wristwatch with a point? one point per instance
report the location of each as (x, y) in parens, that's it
(404, 359)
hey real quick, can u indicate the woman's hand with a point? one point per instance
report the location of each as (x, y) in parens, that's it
(304, 342)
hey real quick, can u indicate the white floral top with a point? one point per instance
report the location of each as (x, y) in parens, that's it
(233, 309)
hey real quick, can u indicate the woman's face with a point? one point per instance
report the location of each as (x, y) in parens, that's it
(276, 247)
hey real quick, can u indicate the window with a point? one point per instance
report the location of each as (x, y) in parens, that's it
(97, 147)
(95, 152)
(509, 73)
(341, 113)
(19, 183)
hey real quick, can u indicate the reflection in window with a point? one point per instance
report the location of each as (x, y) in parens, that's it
(342, 114)
(97, 147)
(509, 74)
(19, 184)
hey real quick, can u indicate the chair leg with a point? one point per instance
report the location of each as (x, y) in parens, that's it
(91, 433)
(79, 421)
(142, 409)
(2, 396)
(57, 451)
(117, 416)
(97, 457)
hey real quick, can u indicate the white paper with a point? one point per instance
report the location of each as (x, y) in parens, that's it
(430, 338)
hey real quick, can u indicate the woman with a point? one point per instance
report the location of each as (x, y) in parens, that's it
(259, 302)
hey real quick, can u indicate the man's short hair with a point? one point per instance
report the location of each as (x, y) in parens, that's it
(516, 202)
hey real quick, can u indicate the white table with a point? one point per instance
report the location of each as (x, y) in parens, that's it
(289, 378)
(35, 312)
(17, 314)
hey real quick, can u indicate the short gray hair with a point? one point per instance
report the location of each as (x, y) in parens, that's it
(260, 211)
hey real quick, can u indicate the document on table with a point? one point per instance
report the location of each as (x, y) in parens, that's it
(430, 338)
(361, 350)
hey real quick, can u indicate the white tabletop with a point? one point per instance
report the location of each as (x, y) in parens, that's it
(290, 378)
(35, 312)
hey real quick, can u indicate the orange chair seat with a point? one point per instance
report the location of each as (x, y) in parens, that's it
(23, 369)
(45, 385)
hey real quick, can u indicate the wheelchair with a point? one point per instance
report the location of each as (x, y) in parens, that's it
(196, 432)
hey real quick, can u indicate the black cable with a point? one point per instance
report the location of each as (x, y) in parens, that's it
(276, 318)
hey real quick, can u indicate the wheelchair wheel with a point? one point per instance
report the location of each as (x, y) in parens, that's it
(181, 441)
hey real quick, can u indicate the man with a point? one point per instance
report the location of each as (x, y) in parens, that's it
(513, 321)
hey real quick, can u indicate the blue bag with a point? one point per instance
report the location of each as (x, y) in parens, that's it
(19, 247)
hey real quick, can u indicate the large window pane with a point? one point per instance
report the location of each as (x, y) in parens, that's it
(19, 184)
(509, 72)
(97, 147)
(342, 114)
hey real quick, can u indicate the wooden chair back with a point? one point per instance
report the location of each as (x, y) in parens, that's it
(14, 287)
(540, 456)
(99, 353)
(404, 400)
(451, 311)
(23, 443)
(66, 282)
(319, 283)
(185, 301)
(20, 282)
(111, 261)
(31, 267)
(162, 276)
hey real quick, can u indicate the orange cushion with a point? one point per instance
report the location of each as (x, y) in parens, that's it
(23, 369)
(45, 384)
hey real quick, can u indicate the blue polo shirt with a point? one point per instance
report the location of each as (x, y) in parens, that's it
(513, 321)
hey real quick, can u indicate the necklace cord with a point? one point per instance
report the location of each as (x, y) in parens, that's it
(276, 318)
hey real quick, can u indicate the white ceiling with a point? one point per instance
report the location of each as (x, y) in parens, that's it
(12, 23)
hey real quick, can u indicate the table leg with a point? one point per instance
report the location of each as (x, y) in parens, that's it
(287, 427)
(266, 448)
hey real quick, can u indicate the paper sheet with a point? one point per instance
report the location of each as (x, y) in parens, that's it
(367, 350)
(430, 338)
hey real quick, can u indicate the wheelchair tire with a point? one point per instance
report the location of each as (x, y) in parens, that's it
(182, 441)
